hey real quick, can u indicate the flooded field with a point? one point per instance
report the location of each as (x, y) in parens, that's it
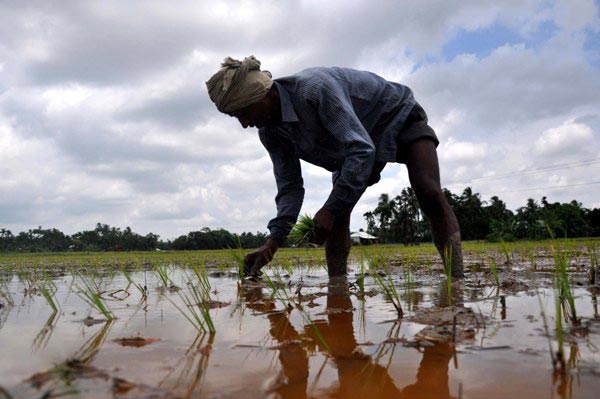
(524, 323)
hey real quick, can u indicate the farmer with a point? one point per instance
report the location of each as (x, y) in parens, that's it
(349, 122)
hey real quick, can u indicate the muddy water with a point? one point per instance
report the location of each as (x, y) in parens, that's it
(333, 341)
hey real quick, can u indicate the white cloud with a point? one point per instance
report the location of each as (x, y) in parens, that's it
(104, 115)
(462, 151)
(569, 136)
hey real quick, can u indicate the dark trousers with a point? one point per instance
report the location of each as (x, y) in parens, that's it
(417, 144)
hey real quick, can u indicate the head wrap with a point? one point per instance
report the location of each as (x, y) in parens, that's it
(238, 84)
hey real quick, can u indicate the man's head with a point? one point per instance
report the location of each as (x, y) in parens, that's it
(242, 90)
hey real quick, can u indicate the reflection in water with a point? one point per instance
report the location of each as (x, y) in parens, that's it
(190, 369)
(412, 298)
(64, 375)
(449, 296)
(6, 299)
(4, 312)
(358, 374)
(41, 339)
(564, 380)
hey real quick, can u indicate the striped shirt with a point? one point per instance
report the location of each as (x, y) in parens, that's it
(341, 119)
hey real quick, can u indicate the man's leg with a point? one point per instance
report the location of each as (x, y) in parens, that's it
(424, 174)
(337, 246)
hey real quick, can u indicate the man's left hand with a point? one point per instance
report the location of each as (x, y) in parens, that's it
(324, 219)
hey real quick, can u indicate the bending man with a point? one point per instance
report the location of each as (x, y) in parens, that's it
(349, 122)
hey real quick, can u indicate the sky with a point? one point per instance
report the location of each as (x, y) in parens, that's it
(104, 114)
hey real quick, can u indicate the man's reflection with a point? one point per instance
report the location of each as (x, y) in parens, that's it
(359, 375)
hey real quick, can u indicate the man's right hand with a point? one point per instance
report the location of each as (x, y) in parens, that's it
(254, 261)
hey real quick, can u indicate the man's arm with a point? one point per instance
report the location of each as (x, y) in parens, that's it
(290, 185)
(290, 194)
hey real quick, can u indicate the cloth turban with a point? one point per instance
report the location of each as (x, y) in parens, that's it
(238, 84)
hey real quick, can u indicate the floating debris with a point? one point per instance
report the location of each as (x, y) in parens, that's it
(136, 342)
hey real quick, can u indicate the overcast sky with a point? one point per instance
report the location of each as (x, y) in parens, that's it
(104, 115)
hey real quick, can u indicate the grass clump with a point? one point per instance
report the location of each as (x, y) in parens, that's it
(48, 290)
(563, 287)
(385, 282)
(162, 271)
(564, 291)
(506, 252)
(238, 256)
(304, 231)
(197, 303)
(279, 292)
(494, 271)
(90, 292)
(142, 289)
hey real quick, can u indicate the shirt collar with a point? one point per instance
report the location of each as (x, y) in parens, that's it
(288, 114)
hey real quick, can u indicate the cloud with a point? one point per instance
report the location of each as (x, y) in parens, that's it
(463, 151)
(104, 115)
(570, 136)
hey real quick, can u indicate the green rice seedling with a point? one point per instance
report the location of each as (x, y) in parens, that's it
(428, 262)
(202, 301)
(142, 289)
(278, 291)
(89, 291)
(563, 286)
(304, 231)
(494, 270)
(386, 283)
(162, 271)
(532, 255)
(28, 280)
(238, 256)
(287, 265)
(506, 252)
(48, 290)
(203, 282)
(196, 309)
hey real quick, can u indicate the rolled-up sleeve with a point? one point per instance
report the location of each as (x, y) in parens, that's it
(290, 185)
(336, 113)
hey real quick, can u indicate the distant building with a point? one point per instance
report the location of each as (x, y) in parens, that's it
(362, 238)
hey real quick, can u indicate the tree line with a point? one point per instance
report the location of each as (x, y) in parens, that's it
(400, 219)
(394, 220)
(106, 238)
